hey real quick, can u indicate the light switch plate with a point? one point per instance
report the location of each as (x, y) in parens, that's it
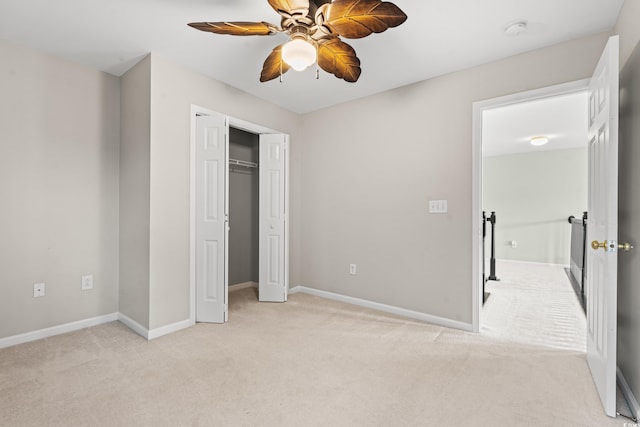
(438, 206)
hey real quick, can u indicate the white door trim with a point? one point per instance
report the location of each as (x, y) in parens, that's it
(233, 122)
(476, 174)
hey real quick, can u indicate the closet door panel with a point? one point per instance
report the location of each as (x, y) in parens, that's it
(273, 283)
(211, 218)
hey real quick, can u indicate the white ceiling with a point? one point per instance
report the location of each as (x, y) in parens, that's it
(562, 119)
(440, 36)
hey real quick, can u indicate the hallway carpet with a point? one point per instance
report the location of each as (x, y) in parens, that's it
(534, 304)
(308, 362)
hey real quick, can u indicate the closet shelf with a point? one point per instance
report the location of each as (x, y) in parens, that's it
(243, 163)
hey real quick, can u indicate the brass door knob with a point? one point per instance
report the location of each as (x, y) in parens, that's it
(610, 246)
(625, 247)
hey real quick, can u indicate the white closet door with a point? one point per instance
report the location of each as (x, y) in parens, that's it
(274, 235)
(211, 219)
(602, 226)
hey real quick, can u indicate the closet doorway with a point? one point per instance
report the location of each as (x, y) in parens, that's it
(244, 198)
(239, 212)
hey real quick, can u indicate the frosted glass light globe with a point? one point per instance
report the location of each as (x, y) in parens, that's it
(299, 54)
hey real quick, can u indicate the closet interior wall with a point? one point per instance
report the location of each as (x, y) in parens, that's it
(243, 208)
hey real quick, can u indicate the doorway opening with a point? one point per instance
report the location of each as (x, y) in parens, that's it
(239, 212)
(530, 190)
(501, 167)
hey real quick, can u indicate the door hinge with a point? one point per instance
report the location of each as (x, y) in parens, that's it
(226, 308)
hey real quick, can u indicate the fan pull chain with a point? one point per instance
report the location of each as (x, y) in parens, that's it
(317, 73)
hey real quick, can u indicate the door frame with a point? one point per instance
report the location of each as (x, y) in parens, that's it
(197, 110)
(476, 174)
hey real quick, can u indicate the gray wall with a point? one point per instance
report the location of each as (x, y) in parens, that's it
(369, 173)
(134, 192)
(173, 90)
(59, 137)
(156, 281)
(628, 29)
(243, 208)
(628, 225)
(532, 195)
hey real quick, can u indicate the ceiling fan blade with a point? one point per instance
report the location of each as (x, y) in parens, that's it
(290, 7)
(355, 19)
(338, 58)
(274, 66)
(236, 28)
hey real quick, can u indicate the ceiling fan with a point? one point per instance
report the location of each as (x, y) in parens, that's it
(315, 28)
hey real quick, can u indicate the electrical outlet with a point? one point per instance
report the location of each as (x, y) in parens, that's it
(38, 290)
(87, 282)
(353, 269)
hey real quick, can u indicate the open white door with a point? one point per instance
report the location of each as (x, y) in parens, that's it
(211, 218)
(274, 247)
(602, 228)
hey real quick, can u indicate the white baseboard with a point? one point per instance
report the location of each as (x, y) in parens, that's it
(167, 329)
(628, 394)
(94, 321)
(548, 264)
(56, 330)
(150, 334)
(133, 325)
(440, 321)
(164, 330)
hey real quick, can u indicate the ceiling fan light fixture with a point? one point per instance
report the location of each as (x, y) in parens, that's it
(299, 53)
(316, 29)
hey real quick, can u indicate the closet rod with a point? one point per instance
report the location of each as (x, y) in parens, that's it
(243, 163)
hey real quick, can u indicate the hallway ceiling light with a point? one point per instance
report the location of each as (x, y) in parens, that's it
(538, 140)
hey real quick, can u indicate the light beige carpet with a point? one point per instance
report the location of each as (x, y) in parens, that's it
(309, 362)
(534, 304)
